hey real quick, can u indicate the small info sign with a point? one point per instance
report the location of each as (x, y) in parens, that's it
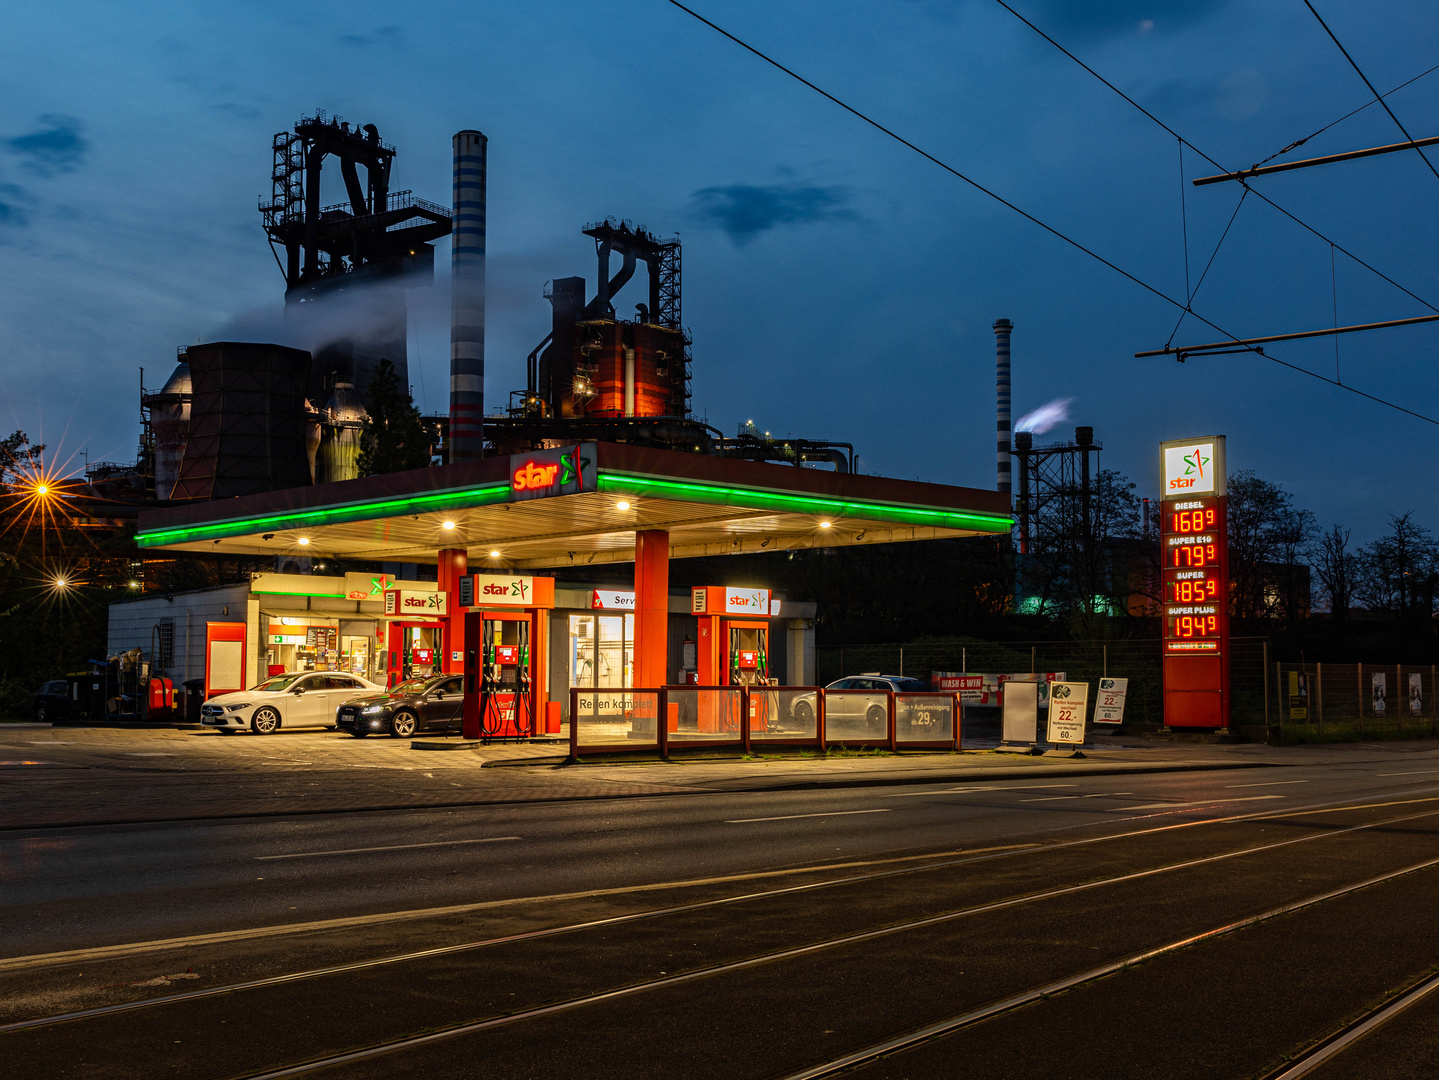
(1109, 705)
(1068, 702)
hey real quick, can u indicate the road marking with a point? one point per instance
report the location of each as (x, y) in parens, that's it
(148, 753)
(946, 791)
(1420, 772)
(1195, 802)
(1096, 795)
(792, 817)
(1271, 783)
(388, 847)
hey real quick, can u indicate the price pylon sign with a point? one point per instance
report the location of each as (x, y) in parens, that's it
(1194, 578)
(1068, 703)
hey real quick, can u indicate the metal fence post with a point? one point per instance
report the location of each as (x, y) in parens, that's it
(1359, 694)
(745, 720)
(1399, 688)
(1104, 671)
(1433, 728)
(1264, 669)
(901, 661)
(662, 722)
(1032, 668)
(1318, 691)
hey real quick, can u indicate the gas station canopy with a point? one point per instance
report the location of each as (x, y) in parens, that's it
(576, 506)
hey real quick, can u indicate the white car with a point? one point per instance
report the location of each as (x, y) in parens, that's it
(296, 699)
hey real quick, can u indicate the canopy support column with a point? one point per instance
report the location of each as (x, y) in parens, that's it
(652, 607)
(453, 564)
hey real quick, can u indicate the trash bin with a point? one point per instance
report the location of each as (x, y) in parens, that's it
(194, 698)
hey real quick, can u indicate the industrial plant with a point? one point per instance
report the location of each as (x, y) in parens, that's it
(244, 417)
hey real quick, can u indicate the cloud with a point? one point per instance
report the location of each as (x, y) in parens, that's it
(57, 146)
(746, 210)
(12, 214)
(381, 35)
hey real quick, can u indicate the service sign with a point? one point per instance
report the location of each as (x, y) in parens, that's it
(747, 602)
(492, 589)
(411, 602)
(1068, 702)
(1193, 467)
(1109, 705)
(605, 599)
(569, 470)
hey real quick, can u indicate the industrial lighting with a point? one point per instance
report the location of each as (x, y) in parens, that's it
(623, 504)
(447, 524)
(303, 541)
(60, 583)
(134, 584)
(824, 524)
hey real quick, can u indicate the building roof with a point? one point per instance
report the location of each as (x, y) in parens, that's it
(709, 506)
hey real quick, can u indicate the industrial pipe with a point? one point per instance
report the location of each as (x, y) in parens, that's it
(467, 298)
(1002, 329)
(629, 380)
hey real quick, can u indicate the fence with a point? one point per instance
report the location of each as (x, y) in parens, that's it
(1337, 702)
(747, 718)
(1137, 659)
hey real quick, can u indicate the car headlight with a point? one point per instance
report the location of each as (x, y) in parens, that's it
(368, 709)
(237, 708)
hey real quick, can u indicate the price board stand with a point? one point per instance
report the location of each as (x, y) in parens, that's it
(1194, 557)
(1068, 709)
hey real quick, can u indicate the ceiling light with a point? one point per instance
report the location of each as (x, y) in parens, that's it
(447, 524)
(303, 541)
(622, 505)
(494, 554)
(824, 524)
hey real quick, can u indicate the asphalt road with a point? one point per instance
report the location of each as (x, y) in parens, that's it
(949, 898)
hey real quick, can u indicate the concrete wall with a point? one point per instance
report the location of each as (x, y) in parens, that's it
(132, 624)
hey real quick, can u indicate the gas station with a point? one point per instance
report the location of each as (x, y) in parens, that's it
(488, 525)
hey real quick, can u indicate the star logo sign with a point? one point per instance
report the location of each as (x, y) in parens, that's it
(572, 469)
(1194, 463)
(378, 585)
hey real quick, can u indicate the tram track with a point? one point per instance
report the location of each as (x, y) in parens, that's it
(415, 1041)
(702, 905)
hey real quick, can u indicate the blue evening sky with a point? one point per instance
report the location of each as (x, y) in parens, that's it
(838, 286)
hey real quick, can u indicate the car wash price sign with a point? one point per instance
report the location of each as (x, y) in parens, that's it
(1194, 559)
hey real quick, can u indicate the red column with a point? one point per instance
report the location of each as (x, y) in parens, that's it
(453, 565)
(652, 607)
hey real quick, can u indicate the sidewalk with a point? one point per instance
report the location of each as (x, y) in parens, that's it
(97, 776)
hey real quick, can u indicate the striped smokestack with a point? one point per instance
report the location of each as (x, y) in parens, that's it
(467, 299)
(1002, 328)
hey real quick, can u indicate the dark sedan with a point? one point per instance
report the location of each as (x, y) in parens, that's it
(433, 703)
(53, 701)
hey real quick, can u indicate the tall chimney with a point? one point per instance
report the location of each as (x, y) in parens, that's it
(467, 299)
(1002, 328)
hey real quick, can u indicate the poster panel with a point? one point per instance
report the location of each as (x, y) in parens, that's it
(1379, 682)
(1068, 704)
(1298, 696)
(1109, 705)
(1416, 695)
(1021, 713)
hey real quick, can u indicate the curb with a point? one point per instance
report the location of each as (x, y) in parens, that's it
(449, 744)
(838, 782)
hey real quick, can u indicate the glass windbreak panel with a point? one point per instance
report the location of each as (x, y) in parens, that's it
(582, 650)
(786, 714)
(855, 716)
(705, 715)
(614, 650)
(923, 718)
(617, 718)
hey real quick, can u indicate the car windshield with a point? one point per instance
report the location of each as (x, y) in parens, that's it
(411, 686)
(279, 682)
(911, 686)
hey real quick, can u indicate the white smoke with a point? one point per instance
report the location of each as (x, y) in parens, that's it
(1045, 417)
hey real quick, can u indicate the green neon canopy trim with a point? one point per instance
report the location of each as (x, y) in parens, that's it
(630, 483)
(331, 515)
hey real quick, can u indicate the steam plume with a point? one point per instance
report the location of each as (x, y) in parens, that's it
(1045, 417)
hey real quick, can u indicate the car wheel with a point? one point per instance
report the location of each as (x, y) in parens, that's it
(265, 721)
(402, 726)
(803, 713)
(40, 714)
(876, 716)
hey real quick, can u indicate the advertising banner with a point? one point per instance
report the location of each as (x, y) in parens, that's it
(1298, 696)
(1380, 684)
(970, 688)
(1416, 695)
(1021, 713)
(1109, 705)
(410, 602)
(1068, 702)
(989, 689)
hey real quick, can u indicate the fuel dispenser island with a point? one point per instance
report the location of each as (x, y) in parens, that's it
(733, 649)
(505, 647)
(415, 632)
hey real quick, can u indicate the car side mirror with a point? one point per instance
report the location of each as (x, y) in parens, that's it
(298, 691)
(439, 694)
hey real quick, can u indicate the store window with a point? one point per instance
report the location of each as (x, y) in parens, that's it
(313, 643)
(602, 650)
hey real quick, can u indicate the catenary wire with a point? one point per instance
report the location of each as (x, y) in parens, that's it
(1359, 71)
(1050, 228)
(1352, 112)
(1242, 196)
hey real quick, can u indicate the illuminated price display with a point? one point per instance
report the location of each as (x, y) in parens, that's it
(1195, 563)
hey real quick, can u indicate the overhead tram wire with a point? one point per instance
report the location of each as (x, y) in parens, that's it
(1050, 228)
(1384, 104)
(1259, 194)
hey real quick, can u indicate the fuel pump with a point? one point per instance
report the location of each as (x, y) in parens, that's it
(506, 704)
(749, 666)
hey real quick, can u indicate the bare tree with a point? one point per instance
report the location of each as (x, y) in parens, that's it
(1337, 567)
(1266, 535)
(1399, 570)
